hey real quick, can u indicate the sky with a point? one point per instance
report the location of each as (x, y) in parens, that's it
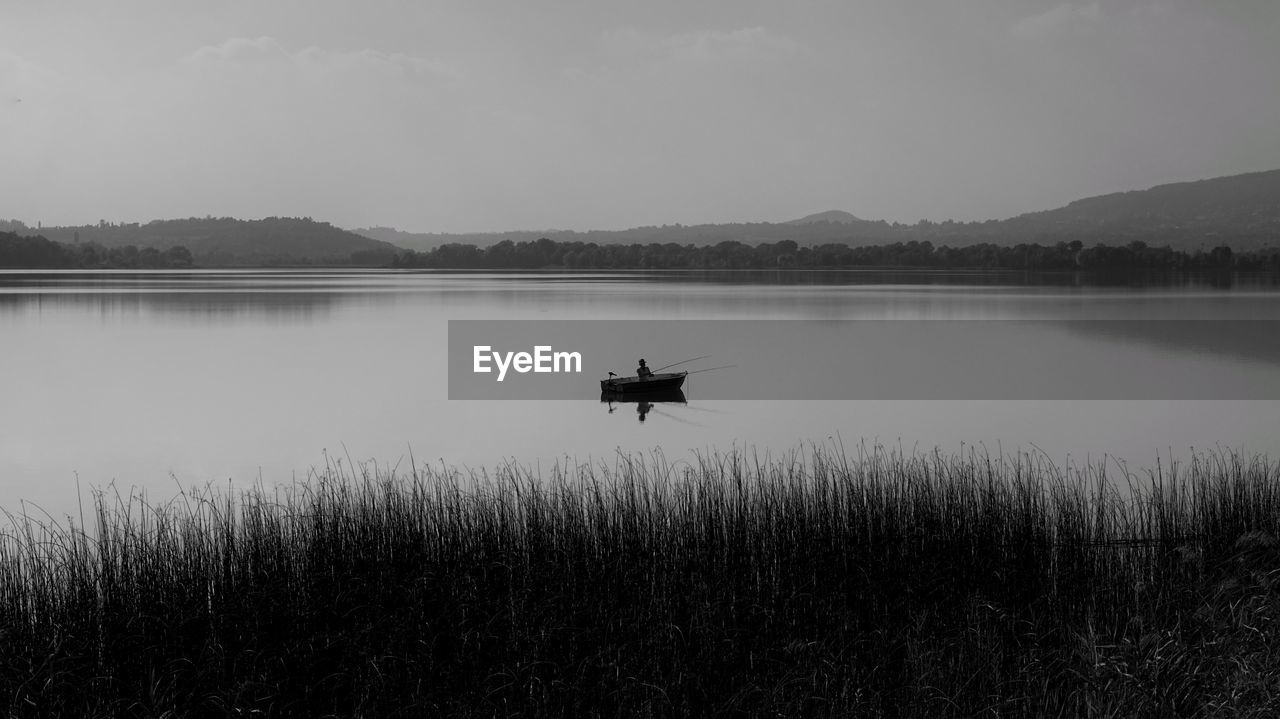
(487, 115)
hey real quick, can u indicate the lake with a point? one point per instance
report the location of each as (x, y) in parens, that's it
(159, 379)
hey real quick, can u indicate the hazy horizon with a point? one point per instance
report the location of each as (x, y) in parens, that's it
(511, 230)
(500, 116)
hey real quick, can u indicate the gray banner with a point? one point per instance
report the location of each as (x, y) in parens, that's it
(872, 359)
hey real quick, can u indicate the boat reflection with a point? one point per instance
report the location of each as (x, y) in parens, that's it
(644, 402)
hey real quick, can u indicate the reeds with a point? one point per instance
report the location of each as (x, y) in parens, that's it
(815, 583)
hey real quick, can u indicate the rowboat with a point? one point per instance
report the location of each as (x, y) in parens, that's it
(662, 396)
(636, 385)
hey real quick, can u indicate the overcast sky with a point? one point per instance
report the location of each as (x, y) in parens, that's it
(484, 115)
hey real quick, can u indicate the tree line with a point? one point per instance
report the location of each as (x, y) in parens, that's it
(1074, 255)
(38, 252)
(20, 251)
(226, 241)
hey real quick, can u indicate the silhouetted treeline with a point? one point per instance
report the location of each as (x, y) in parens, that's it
(229, 242)
(38, 252)
(547, 253)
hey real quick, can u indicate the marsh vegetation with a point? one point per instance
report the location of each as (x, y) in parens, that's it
(822, 582)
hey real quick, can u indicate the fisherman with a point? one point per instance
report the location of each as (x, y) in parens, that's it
(643, 371)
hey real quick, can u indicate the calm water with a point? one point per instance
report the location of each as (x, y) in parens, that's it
(141, 378)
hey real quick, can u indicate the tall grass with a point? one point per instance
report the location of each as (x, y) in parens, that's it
(816, 583)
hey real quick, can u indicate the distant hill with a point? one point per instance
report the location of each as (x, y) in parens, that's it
(753, 232)
(1247, 200)
(431, 240)
(228, 241)
(1242, 211)
(838, 217)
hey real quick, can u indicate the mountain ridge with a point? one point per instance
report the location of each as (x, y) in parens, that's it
(1183, 200)
(1242, 211)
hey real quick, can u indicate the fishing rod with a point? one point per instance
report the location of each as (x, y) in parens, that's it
(695, 359)
(696, 371)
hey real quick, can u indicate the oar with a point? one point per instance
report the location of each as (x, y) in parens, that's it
(695, 359)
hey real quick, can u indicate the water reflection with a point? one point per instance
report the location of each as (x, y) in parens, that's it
(211, 306)
(214, 375)
(1127, 279)
(309, 295)
(645, 402)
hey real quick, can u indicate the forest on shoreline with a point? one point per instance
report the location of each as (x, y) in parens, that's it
(545, 253)
(26, 252)
(37, 252)
(191, 242)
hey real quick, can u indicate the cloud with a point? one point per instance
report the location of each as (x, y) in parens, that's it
(267, 51)
(21, 79)
(257, 99)
(1057, 19)
(699, 46)
(240, 49)
(717, 45)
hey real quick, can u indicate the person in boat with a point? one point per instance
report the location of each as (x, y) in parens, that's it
(643, 371)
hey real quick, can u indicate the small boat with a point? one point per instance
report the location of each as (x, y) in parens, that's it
(636, 385)
(662, 396)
